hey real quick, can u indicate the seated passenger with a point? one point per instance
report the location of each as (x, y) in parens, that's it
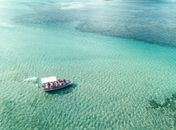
(51, 84)
(60, 83)
(56, 83)
(48, 84)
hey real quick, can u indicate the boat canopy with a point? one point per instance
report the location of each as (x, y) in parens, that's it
(48, 79)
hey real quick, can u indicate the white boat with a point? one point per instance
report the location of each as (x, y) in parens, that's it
(52, 83)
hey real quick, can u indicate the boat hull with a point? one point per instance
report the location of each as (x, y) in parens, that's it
(58, 87)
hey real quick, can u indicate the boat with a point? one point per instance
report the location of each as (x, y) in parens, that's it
(52, 83)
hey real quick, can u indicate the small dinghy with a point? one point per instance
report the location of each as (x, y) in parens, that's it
(52, 83)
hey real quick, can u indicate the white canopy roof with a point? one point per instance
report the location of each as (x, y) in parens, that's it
(48, 79)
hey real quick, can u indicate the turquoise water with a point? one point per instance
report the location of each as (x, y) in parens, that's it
(115, 77)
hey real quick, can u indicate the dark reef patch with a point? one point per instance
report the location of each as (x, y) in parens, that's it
(166, 108)
(152, 22)
(169, 103)
(156, 34)
(44, 13)
(45, 17)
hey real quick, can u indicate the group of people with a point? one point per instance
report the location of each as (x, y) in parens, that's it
(55, 83)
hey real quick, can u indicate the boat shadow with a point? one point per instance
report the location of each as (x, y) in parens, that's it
(64, 91)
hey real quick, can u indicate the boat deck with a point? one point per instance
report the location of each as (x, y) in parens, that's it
(55, 85)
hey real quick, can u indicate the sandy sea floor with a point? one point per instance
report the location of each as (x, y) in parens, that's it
(116, 77)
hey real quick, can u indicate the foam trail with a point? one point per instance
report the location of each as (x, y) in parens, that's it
(71, 5)
(31, 79)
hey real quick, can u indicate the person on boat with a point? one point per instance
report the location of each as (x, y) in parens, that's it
(48, 84)
(60, 83)
(59, 80)
(56, 83)
(52, 85)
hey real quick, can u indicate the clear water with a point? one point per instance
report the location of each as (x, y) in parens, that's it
(115, 77)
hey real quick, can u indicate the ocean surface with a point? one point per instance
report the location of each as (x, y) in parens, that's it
(120, 54)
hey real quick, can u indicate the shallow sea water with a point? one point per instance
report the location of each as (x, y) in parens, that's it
(115, 77)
